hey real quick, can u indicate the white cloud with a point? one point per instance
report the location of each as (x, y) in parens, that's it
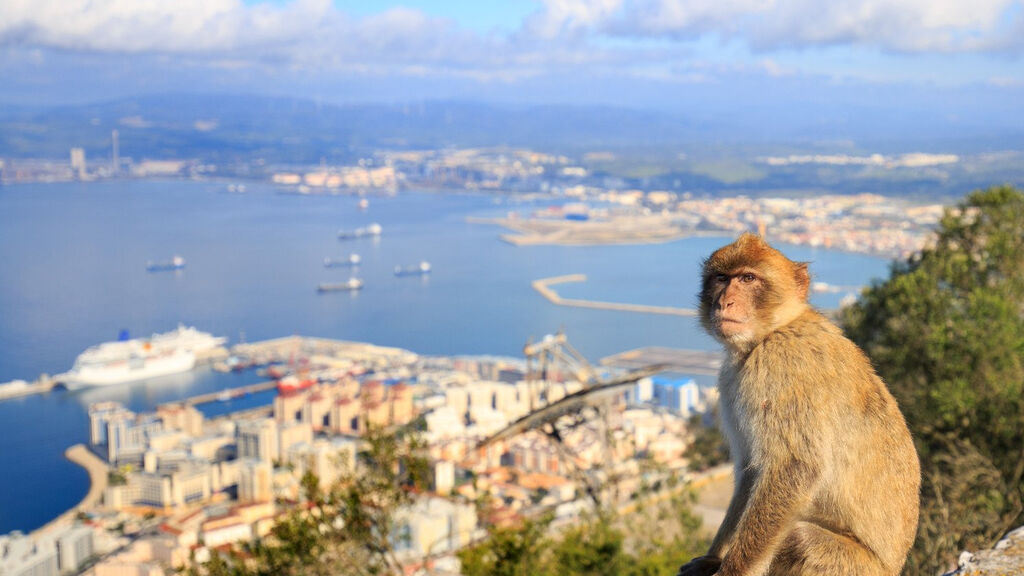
(182, 26)
(560, 38)
(894, 25)
(567, 17)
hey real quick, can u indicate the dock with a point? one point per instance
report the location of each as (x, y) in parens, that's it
(544, 287)
(701, 362)
(228, 393)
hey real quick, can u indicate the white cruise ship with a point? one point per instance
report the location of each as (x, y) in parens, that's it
(140, 358)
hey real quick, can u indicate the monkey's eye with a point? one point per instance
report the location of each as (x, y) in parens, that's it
(723, 278)
(747, 278)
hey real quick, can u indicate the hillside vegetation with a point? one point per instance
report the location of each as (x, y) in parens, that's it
(946, 332)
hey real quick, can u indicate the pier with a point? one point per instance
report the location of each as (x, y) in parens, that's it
(544, 287)
(228, 393)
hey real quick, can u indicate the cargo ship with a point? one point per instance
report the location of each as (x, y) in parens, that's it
(350, 284)
(417, 270)
(176, 263)
(132, 360)
(369, 231)
(352, 260)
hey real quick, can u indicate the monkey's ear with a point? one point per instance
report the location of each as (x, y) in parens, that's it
(803, 279)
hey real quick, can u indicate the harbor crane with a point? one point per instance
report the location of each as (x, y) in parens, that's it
(552, 358)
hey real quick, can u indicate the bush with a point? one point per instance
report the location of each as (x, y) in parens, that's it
(946, 332)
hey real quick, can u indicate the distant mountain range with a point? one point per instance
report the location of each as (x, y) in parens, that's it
(221, 128)
(226, 128)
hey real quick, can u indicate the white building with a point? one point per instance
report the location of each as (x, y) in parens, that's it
(433, 525)
(258, 439)
(119, 434)
(52, 554)
(682, 396)
(74, 547)
(22, 556)
(255, 481)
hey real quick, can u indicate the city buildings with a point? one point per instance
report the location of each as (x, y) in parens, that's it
(200, 484)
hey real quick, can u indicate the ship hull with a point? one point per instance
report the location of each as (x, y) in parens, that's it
(136, 360)
(128, 371)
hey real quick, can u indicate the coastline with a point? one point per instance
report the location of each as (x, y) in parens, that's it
(97, 469)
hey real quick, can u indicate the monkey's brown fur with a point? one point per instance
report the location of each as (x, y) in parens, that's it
(827, 477)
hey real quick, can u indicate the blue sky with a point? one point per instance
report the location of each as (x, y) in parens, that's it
(944, 56)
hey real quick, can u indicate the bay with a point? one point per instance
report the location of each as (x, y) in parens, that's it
(73, 257)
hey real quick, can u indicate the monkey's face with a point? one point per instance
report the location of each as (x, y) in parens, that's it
(750, 289)
(734, 303)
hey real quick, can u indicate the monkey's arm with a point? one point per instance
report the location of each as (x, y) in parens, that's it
(738, 503)
(780, 492)
(708, 564)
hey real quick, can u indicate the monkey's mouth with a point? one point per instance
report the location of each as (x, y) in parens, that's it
(730, 326)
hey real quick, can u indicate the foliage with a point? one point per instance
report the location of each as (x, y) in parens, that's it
(664, 536)
(348, 528)
(116, 478)
(510, 551)
(654, 540)
(946, 332)
(709, 447)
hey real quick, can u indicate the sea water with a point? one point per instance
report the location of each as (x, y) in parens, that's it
(73, 259)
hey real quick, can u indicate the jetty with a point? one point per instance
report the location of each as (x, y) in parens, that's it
(544, 287)
(19, 388)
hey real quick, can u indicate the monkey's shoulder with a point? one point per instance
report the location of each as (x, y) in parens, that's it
(808, 349)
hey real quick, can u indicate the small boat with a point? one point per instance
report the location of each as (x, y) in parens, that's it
(352, 260)
(176, 263)
(351, 284)
(364, 203)
(293, 384)
(417, 270)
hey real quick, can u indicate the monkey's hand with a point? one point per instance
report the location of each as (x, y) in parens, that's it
(700, 566)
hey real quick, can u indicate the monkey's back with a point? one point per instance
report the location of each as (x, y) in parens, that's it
(809, 381)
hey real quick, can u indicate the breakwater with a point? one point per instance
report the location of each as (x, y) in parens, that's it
(97, 470)
(544, 287)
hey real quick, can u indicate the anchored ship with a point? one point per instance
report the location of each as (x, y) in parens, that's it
(371, 230)
(417, 270)
(176, 263)
(351, 260)
(350, 284)
(131, 360)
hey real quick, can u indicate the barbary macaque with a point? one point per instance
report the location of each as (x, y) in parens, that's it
(826, 476)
